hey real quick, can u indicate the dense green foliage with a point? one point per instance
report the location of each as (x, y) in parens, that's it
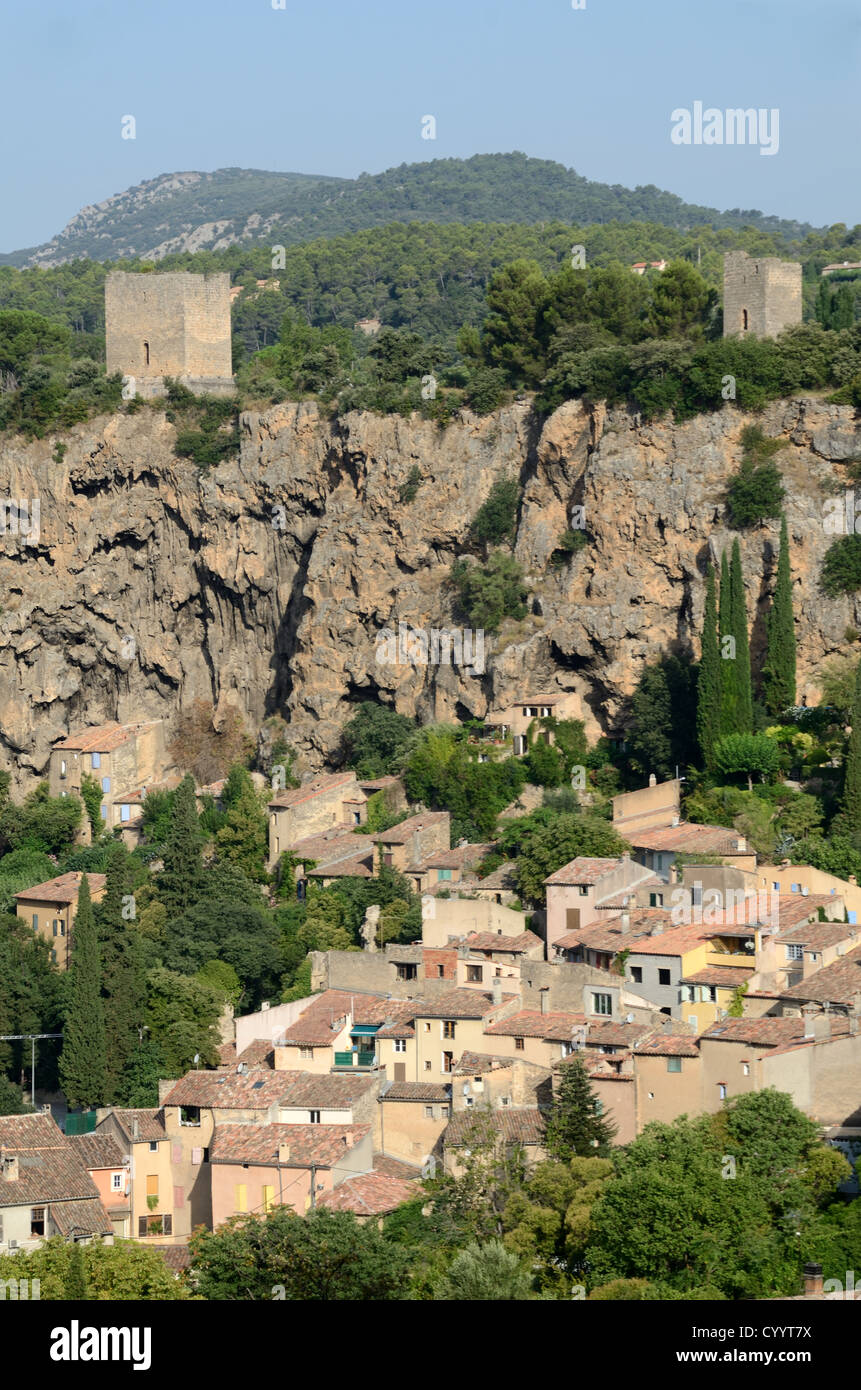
(778, 671)
(488, 593)
(575, 1126)
(122, 1272)
(375, 740)
(83, 1060)
(709, 677)
(841, 568)
(756, 492)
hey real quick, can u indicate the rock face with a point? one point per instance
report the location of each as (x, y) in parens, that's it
(267, 582)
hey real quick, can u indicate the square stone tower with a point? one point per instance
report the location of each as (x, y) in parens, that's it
(175, 324)
(760, 297)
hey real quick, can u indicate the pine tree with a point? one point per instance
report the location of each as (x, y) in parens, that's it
(851, 804)
(708, 680)
(575, 1126)
(742, 647)
(83, 1060)
(778, 672)
(181, 881)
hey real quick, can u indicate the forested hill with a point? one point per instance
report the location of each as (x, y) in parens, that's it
(209, 211)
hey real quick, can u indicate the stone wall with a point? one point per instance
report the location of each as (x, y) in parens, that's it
(761, 296)
(174, 325)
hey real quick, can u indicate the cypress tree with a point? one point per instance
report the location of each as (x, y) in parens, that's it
(742, 647)
(728, 681)
(123, 953)
(181, 881)
(575, 1126)
(708, 679)
(778, 672)
(851, 804)
(83, 1060)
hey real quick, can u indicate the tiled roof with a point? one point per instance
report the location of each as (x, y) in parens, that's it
(513, 945)
(150, 1124)
(61, 890)
(725, 976)
(176, 1257)
(836, 983)
(608, 936)
(259, 1144)
(531, 1023)
(459, 1003)
(97, 1150)
(427, 1091)
(256, 1089)
(49, 1168)
(627, 895)
(583, 869)
(666, 1045)
(87, 1217)
(331, 1090)
(688, 838)
(675, 941)
(259, 1053)
(377, 784)
(762, 1032)
(399, 834)
(396, 1167)
(370, 1194)
(501, 879)
(227, 1054)
(333, 843)
(615, 1034)
(315, 1025)
(816, 935)
(318, 786)
(103, 738)
(477, 1063)
(457, 858)
(512, 1126)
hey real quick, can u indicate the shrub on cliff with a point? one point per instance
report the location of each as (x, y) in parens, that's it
(841, 568)
(490, 592)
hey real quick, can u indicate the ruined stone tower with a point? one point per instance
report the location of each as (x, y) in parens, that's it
(760, 296)
(175, 325)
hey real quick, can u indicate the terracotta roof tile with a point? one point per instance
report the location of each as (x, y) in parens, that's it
(477, 1063)
(837, 983)
(150, 1124)
(323, 1145)
(512, 1126)
(86, 1217)
(427, 1091)
(583, 869)
(460, 1003)
(689, 838)
(370, 1194)
(257, 1089)
(318, 786)
(513, 945)
(50, 1169)
(399, 834)
(63, 889)
(97, 1150)
(104, 738)
(531, 1023)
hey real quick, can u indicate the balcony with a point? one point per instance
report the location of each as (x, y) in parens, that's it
(364, 1061)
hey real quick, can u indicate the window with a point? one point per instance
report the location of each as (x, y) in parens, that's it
(96, 760)
(776, 887)
(692, 1021)
(443, 875)
(62, 767)
(146, 354)
(745, 1068)
(448, 1061)
(663, 977)
(153, 1147)
(306, 1053)
(520, 1044)
(440, 970)
(505, 1100)
(602, 1003)
(795, 953)
(474, 974)
(428, 1112)
(400, 1044)
(241, 1197)
(656, 900)
(407, 972)
(54, 957)
(428, 1066)
(314, 1117)
(583, 889)
(116, 1182)
(721, 1090)
(35, 921)
(448, 1028)
(125, 813)
(637, 974)
(189, 1115)
(744, 320)
(427, 1027)
(268, 1197)
(152, 1185)
(106, 785)
(103, 812)
(37, 1221)
(205, 1156)
(674, 1064)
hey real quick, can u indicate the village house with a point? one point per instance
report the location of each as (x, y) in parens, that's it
(319, 804)
(587, 889)
(504, 1129)
(447, 868)
(483, 957)
(256, 1167)
(451, 919)
(650, 820)
(50, 910)
(45, 1189)
(372, 1196)
(410, 1120)
(512, 726)
(107, 1166)
(668, 1074)
(332, 855)
(804, 880)
(542, 1037)
(122, 758)
(409, 843)
(146, 1150)
(453, 1023)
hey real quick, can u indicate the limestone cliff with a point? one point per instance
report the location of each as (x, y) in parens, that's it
(266, 582)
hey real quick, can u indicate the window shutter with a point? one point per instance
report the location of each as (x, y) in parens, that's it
(141, 1226)
(167, 1225)
(178, 1196)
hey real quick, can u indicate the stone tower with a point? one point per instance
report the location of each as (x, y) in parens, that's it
(760, 297)
(176, 325)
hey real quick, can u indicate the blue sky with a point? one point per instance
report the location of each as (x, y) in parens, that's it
(340, 86)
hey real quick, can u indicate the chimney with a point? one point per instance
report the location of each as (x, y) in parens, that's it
(264, 1005)
(496, 992)
(853, 880)
(653, 781)
(812, 1281)
(9, 1167)
(136, 1130)
(283, 1153)
(822, 1027)
(809, 1029)
(625, 922)
(544, 993)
